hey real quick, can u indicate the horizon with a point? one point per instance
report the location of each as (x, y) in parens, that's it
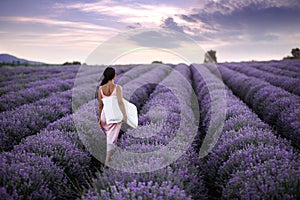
(140, 63)
(64, 31)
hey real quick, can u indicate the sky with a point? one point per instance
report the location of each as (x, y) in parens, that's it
(56, 31)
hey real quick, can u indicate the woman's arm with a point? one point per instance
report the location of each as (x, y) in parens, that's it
(121, 103)
(100, 103)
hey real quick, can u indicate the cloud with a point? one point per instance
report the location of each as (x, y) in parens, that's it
(217, 24)
(55, 22)
(264, 37)
(57, 35)
(195, 30)
(171, 24)
(188, 18)
(155, 39)
(229, 6)
(127, 12)
(247, 20)
(53, 32)
(135, 25)
(136, 14)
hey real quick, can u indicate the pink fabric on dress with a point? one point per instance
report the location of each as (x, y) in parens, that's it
(111, 130)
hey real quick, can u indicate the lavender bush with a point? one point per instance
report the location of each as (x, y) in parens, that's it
(14, 99)
(49, 157)
(182, 176)
(62, 151)
(30, 118)
(288, 83)
(140, 190)
(274, 105)
(30, 176)
(25, 84)
(65, 150)
(245, 145)
(289, 65)
(26, 75)
(275, 69)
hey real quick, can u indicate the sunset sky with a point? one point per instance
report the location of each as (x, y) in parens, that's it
(56, 31)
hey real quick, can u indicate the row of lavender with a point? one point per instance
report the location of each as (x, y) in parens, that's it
(69, 141)
(289, 68)
(15, 86)
(29, 118)
(276, 76)
(19, 77)
(51, 164)
(40, 85)
(84, 116)
(179, 180)
(248, 161)
(9, 74)
(128, 80)
(14, 99)
(37, 78)
(16, 79)
(285, 66)
(274, 105)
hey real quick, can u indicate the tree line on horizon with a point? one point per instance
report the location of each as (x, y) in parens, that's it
(210, 57)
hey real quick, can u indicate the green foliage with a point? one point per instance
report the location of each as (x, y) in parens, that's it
(18, 64)
(72, 63)
(295, 54)
(156, 61)
(210, 57)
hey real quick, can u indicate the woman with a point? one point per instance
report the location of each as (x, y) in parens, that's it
(106, 89)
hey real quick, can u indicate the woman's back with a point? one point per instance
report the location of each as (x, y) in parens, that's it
(106, 90)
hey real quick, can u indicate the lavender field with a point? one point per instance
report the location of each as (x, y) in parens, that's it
(256, 155)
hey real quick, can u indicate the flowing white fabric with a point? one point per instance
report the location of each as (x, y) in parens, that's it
(114, 114)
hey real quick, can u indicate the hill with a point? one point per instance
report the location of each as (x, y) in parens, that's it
(6, 58)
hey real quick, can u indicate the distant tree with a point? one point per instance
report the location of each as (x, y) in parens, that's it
(210, 57)
(295, 54)
(157, 62)
(72, 63)
(76, 63)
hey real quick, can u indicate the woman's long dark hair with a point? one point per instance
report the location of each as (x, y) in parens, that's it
(109, 74)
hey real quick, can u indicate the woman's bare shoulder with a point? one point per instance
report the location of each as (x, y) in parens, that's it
(118, 90)
(118, 87)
